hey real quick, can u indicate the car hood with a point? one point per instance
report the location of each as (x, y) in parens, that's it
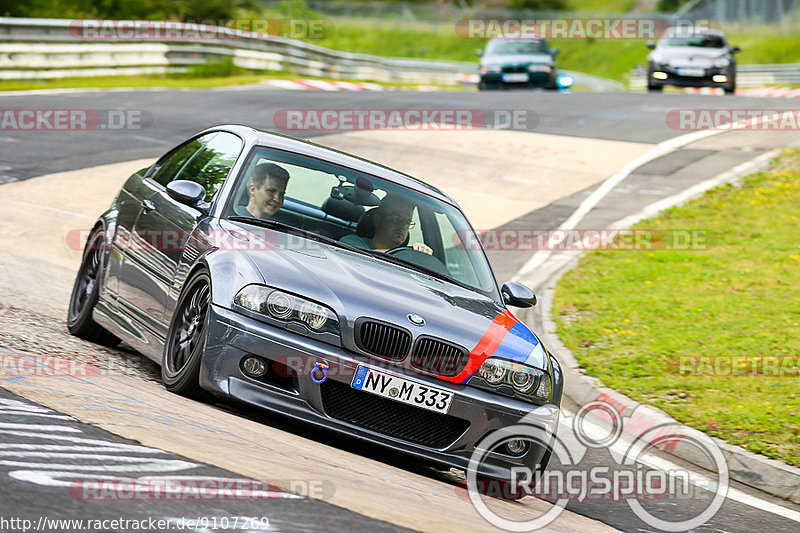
(526, 59)
(356, 285)
(688, 56)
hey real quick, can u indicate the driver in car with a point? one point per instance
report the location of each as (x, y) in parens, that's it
(392, 220)
(266, 189)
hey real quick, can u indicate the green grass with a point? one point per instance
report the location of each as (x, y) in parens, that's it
(629, 316)
(601, 6)
(606, 58)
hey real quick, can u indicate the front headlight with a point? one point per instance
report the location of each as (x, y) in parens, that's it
(722, 62)
(286, 307)
(490, 69)
(513, 379)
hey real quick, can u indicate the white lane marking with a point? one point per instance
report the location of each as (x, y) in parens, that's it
(653, 209)
(34, 427)
(103, 447)
(78, 440)
(604, 189)
(46, 208)
(658, 463)
(44, 415)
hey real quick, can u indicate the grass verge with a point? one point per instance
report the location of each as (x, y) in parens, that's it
(613, 59)
(662, 326)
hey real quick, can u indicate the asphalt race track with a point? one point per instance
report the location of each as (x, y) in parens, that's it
(59, 434)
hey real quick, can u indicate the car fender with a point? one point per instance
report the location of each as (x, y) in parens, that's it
(230, 270)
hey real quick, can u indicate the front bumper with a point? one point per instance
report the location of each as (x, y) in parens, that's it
(706, 80)
(542, 80)
(473, 413)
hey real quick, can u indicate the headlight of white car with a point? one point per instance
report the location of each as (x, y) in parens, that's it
(722, 62)
(490, 69)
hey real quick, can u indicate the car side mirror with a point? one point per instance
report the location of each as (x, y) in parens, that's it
(479, 52)
(554, 52)
(651, 45)
(188, 193)
(517, 295)
(735, 50)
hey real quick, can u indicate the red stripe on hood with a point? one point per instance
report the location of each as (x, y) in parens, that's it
(486, 346)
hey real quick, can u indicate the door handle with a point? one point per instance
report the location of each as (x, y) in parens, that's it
(148, 205)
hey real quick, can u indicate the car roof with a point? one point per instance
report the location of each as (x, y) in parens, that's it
(288, 143)
(513, 38)
(694, 31)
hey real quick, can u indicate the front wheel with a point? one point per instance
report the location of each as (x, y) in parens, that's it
(86, 292)
(186, 340)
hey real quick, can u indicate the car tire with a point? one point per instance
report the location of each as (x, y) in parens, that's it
(186, 339)
(655, 88)
(730, 90)
(86, 292)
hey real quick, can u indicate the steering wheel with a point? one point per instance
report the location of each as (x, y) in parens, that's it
(408, 253)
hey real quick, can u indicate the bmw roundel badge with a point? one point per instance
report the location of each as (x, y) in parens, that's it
(416, 319)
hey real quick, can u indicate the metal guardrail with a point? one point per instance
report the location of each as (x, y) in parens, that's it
(49, 48)
(747, 76)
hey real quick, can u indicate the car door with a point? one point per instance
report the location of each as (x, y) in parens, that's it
(163, 226)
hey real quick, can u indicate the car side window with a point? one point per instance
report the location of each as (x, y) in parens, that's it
(174, 163)
(210, 165)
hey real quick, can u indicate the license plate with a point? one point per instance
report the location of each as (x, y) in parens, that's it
(515, 77)
(402, 390)
(691, 72)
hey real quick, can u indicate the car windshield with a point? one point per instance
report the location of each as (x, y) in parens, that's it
(698, 41)
(362, 211)
(514, 47)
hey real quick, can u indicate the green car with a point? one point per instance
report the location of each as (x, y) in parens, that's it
(518, 63)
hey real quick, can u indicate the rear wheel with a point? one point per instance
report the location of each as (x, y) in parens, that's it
(186, 340)
(85, 293)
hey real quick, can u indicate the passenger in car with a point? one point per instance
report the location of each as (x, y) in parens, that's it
(266, 189)
(386, 227)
